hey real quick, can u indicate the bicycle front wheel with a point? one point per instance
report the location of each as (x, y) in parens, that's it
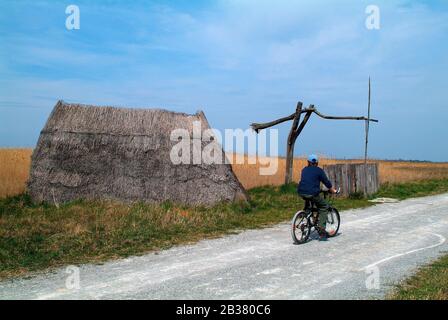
(333, 222)
(301, 228)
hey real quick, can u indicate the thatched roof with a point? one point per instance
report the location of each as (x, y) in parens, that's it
(79, 118)
(93, 152)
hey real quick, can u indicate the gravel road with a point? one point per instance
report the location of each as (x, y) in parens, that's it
(377, 247)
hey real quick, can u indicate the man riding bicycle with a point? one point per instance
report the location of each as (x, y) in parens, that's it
(309, 189)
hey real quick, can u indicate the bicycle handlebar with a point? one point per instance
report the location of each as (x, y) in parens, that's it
(338, 191)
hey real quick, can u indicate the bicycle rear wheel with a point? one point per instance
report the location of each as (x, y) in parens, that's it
(301, 228)
(333, 222)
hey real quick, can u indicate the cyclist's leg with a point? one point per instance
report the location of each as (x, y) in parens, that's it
(322, 207)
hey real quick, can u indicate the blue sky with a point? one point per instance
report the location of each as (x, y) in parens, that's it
(239, 61)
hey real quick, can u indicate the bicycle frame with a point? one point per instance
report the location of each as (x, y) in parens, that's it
(310, 216)
(312, 213)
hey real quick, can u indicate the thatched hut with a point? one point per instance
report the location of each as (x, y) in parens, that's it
(88, 152)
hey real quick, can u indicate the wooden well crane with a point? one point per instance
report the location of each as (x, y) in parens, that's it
(297, 128)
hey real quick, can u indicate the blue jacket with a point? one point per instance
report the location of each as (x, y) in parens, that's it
(310, 181)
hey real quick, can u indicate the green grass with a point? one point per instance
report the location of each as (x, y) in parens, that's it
(429, 283)
(38, 237)
(413, 189)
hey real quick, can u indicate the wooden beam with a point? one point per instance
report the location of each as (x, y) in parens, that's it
(341, 118)
(260, 126)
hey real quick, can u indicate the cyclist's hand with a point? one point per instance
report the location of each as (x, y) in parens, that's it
(335, 191)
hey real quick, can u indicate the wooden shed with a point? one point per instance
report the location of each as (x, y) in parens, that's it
(354, 177)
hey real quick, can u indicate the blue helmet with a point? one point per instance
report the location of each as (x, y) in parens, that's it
(313, 158)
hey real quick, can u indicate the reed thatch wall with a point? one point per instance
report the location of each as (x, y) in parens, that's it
(87, 152)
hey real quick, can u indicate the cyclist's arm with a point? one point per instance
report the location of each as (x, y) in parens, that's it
(327, 182)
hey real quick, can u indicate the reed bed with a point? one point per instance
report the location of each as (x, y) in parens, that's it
(390, 171)
(14, 171)
(15, 164)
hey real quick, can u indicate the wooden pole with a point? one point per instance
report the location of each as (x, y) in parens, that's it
(367, 140)
(367, 126)
(290, 144)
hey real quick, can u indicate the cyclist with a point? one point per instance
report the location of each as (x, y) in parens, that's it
(309, 189)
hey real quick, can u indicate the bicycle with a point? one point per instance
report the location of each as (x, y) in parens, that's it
(308, 218)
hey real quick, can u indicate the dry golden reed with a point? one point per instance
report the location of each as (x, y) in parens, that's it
(15, 164)
(390, 171)
(14, 171)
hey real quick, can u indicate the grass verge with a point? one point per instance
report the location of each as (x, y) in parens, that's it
(413, 189)
(429, 283)
(38, 237)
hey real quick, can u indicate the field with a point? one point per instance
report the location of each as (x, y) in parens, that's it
(390, 171)
(15, 163)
